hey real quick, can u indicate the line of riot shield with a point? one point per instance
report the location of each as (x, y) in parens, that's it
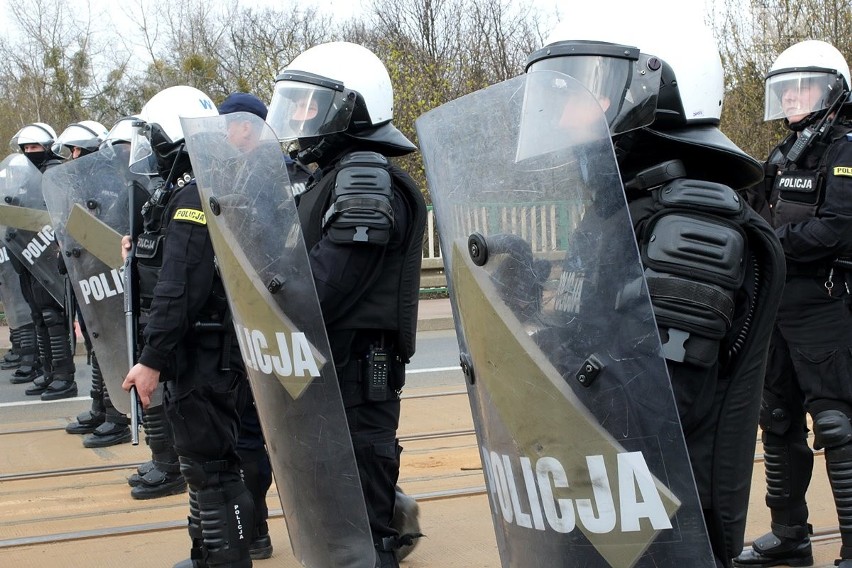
(261, 255)
(88, 203)
(27, 231)
(580, 438)
(15, 307)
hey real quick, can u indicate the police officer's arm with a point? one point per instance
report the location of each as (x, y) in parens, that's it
(830, 234)
(185, 281)
(343, 268)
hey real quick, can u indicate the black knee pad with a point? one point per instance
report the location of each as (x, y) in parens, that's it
(52, 317)
(832, 429)
(775, 417)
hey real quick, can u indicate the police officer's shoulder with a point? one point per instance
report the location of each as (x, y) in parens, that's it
(186, 206)
(361, 209)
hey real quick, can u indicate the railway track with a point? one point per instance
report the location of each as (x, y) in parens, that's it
(80, 513)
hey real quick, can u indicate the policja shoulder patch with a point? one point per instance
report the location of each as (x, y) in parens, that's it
(843, 171)
(191, 216)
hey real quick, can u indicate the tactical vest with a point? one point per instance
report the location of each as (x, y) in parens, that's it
(390, 301)
(149, 255)
(149, 244)
(798, 190)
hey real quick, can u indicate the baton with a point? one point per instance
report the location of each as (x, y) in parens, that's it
(130, 320)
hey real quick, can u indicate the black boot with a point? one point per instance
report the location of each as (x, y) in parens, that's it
(61, 358)
(108, 434)
(158, 483)
(788, 461)
(62, 386)
(43, 344)
(89, 420)
(29, 367)
(406, 521)
(116, 426)
(772, 550)
(143, 468)
(39, 385)
(12, 359)
(163, 477)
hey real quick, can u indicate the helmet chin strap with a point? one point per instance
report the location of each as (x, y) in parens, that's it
(805, 122)
(316, 152)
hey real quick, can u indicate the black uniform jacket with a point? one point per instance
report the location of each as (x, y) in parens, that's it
(186, 280)
(827, 235)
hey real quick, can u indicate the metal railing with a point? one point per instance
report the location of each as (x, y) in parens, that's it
(546, 226)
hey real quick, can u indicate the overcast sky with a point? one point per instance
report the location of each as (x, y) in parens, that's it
(553, 10)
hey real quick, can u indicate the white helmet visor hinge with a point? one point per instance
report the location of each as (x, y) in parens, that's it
(305, 105)
(800, 91)
(625, 82)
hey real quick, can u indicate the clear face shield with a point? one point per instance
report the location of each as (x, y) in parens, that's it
(75, 136)
(142, 159)
(625, 82)
(304, 106)
(30, 134)
(794, 94)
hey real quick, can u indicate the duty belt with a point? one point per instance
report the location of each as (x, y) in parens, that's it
(808, 270)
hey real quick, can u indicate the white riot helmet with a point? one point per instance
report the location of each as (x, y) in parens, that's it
(330, 88)
(333, 97)
(86, 135)
(122, 130)
(808, 77)
(35, 133)
(606, 61)
(602, 54)
(158, 130)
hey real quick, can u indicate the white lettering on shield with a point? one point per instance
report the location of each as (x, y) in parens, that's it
(289, 355)
(39, 244)
(528, 494)
(102, 286)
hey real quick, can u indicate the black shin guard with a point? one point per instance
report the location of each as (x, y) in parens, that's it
(226, 524)
(833, 431)
(788, 464)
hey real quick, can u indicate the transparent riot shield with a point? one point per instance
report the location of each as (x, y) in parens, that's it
(580, 439)
(15, 307)
(260, 252)
(88, 203)
(28, 232)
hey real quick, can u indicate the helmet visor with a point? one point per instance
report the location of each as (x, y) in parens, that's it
(304, 110)
(31, 134)
(75, 136)
(794, 94)
(626, 87)
(142, 160)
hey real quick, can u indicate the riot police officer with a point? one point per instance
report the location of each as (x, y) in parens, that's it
(806, 196)
(363, 220)
(51, 321)
(105, 425)
(251, 446)
(188, 335)
(712, 266)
